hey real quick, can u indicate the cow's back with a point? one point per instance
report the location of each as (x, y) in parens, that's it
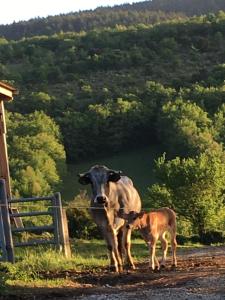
(127, 194)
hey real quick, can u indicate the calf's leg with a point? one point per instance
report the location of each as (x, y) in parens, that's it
(164, 245)
(120, 243)
(152, 251)
(174, 248)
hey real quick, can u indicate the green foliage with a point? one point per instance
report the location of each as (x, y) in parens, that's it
(186, 130)
(36, 154)
(212, 236)
(106, 87)
(105, 127)
(117, 87)
(139, 14)
(194, 188)
(80, 223)
(219, 124)
(208, 98)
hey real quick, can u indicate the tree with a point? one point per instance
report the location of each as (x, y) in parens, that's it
(36, 155)
(219, 124)
(186, 130)
(194, 187)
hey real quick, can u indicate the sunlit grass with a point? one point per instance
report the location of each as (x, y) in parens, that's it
(34, 265)
(43, 283)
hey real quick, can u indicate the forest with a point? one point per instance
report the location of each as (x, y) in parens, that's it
(146, 12)
(93, 91)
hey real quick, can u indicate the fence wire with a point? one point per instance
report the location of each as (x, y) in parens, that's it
(19, 206)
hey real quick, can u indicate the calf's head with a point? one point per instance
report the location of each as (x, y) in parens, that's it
(133, 219)
(99, 177)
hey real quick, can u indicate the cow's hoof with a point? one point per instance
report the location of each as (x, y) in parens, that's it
(155, 270)
(130, 267)
(173, 267)
(120, 269)
(162, 266)
(113, 269)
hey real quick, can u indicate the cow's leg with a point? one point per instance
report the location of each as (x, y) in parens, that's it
(127, 246)
(108, 239)
(152, 252)
(164, 245)
(112, 242)
(116, 252)
(174, 248)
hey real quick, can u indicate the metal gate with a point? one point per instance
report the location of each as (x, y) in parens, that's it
(58, 227)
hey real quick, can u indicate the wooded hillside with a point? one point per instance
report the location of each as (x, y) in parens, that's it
(146, 12)
(115, 81)
(101, 92)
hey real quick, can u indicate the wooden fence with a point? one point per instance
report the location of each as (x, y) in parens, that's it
(59, 226)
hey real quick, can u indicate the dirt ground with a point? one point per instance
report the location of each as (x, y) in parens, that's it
(200, 275)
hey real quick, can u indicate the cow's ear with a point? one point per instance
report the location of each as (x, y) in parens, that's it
(84, 178)
(114, 176)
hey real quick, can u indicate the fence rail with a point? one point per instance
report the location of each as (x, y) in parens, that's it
(59, 225)
(31, 199)
(35, 243)
(31, 214)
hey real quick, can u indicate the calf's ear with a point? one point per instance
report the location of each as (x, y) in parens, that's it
(84, 178)
(114, 176)
(120, 214)
(141, 214)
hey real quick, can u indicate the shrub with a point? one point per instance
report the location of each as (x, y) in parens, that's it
(80, 223)
(212, 236)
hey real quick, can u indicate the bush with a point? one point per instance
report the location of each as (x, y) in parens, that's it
(182, 239)
(80, 223)
(212, 237)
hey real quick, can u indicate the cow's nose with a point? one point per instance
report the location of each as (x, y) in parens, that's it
(101, 199)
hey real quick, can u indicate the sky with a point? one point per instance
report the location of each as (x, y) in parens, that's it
(21, 10)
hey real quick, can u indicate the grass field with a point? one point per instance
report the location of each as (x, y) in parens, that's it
(138, 165)
(42, 273)
(33, 265)
(42, 266)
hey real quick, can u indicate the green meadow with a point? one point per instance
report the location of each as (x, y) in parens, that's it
(137, 164)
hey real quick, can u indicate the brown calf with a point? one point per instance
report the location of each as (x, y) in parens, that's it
(153, 226)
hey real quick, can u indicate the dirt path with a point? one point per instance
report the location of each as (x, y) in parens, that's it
(200, 275)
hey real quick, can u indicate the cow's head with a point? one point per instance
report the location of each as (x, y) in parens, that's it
(99, 177)
(133, 219)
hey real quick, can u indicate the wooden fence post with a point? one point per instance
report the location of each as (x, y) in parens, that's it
(63, 226)
(6, 222)
(2, 238)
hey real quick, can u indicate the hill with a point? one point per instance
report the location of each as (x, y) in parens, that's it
(122, 96)
(146, 12)
(105, 88)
